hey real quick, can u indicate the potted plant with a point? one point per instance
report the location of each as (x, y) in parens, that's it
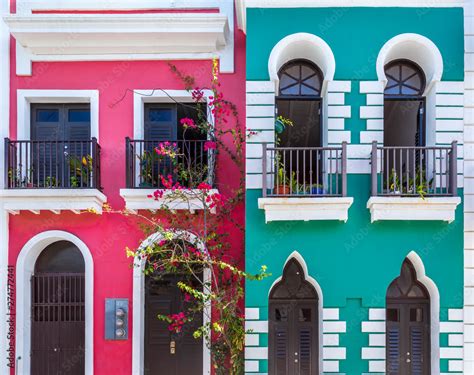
(283, 187)
(281, 123)
(80, 171)
(317, 189)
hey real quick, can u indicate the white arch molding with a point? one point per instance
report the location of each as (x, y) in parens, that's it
(433, 291)
(297, 256)
(138, 330)
(302, 46)
(414, 47)
(25, 268)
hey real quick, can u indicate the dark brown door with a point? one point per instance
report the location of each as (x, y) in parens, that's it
(293, 324)
(408, 325)
(57, 331)
(168, 353)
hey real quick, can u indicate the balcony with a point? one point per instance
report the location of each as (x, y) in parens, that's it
(150, 164)
(52, 175)
(413, 183)
(304, 183)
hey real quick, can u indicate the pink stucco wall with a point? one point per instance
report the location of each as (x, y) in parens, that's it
(109, 234)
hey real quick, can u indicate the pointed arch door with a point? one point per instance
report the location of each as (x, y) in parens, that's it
(293, 324)
(408, 325)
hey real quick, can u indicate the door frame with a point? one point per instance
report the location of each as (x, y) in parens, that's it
(138, 323)
(25, 268)
(297, 256)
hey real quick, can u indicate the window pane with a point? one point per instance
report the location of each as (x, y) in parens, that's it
(47, 115)
(305, 315)
(160, 114)
(416, 314)
(281, 314)
(392, 315)
(79, 115)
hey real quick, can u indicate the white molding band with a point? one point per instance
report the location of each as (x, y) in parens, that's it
(138, 199)
(413, 208)
(138, 331)
(305, 209)
(26, 97)
(54, 200)
(25, 268)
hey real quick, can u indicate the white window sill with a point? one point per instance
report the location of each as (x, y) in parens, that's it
(138, 199)
(413, 208)
(55, 200)
(305, 209)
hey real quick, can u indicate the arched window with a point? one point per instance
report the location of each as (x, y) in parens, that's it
(58, 310)
(404, 79)
(408, 324)
(300, 78)
(293, 324)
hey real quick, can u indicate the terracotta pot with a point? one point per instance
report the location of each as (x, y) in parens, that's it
(282, 190)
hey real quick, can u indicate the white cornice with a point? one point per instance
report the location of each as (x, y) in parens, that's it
(95, 37)
(243, 5)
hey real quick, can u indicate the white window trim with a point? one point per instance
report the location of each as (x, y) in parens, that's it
(25, 268)
(138, 335)
(299, 258)
(27, 97)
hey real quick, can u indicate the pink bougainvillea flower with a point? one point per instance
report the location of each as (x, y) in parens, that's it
(215, 200)
(197, 94)
(157, 194)
(210, 145)
(188, 123)
(204, 186)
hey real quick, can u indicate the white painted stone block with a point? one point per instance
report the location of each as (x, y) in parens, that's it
(260, 86)
(449, 125)
(450, 327)
(335, 124)
(339, 111)
(260, 98)
(376, 314)
(371, 87)
(455, 314)
(330, 314)
(257, 326)
(454, 365)
(252, 313)
(334, 353)
(370, 136)
(373, 353)
(251, 366)
(377, 366)
(256, 353)
(449, 87)
(263, 123)
(252, 339)
(260, 111)
(450, 99)
(455, 340)
(451, 353)
(339, 86)
(374, 112)
(374, 124)
(376, 339)
(334, 327)
(449, 112)
(330, 339)
(338, 136)
(375, 327)
(335, 98)
(331, 366)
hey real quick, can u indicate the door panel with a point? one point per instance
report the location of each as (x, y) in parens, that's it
(164, 297)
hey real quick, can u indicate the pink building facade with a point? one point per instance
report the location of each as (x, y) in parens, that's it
(91, 68)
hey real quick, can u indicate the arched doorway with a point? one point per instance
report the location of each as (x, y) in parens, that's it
(58, 311)
(293, 324)
(408, 333)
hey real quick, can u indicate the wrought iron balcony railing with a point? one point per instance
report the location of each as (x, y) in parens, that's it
(304, 171)
(52, 164)
(153, 164)
(414, 171)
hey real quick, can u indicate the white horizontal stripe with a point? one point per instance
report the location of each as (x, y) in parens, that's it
(376, 327)
(260, 136)
(260, 86)
(334, 327)
(330, 314)
(450, 327)
(453, 125)
(337, 137)
(367, 112)
(330, 339)
(374, 124)
(376, 314)
(334, 353)
(339, 111)
(454, 365)
(375, 99)
(256, 353)
(358, 166)
(257, 326)
(370, 136)
(260, 111)
(336, 98)
(251, 366)
(260, 98)
(254, 150)
(377, 339)
(359, 151)
(372, 87)
(252, 313)
(339, 86)
(455, 340)
(335, 124)
(252, 339)
(373, 353)
(331, 366)
(260, 123)
(450, 87)
(451, 353)
(455, 314)
(448, 137)
(253, 181)
(449, 112)
(447, 99)
(377, 366)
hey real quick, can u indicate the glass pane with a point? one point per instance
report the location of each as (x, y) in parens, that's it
(305, 90)
(293, 90)
(306, 71)
(293, 71)
(79, 115)
(304, 315)
(409, 91)
(47, 115)
(281, 314)
(416, 314)
(160, 114)
(392, 315)
(313, 82)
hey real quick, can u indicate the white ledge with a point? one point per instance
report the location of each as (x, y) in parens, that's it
(54, 200)
(138, 199)
(413, 208)
(95, 37)
(305, 209)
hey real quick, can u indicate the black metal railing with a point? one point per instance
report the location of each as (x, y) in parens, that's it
(188, 163)
(304, 171)
(52, 164)
(414, 171)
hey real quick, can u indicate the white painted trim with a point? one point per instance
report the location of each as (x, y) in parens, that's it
(299, 258)
(137, 199)
(408, 208)
(243, 5)
(434, 309)
(138, 335)
(26, 97)
(55, 200)
(305, 209)
(25, 267)
(414, 47)
(302, 46)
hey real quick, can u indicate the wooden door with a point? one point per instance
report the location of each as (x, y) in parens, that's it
(168, 353)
